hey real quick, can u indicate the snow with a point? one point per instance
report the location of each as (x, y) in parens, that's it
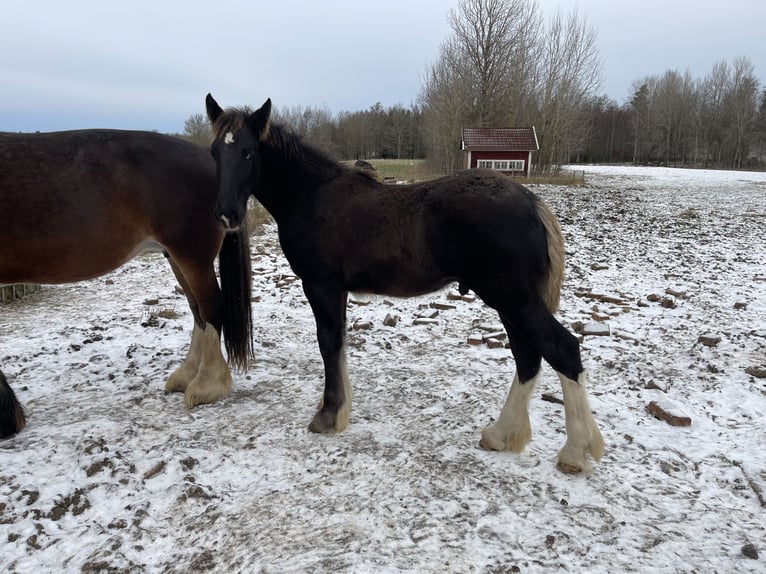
(112, 474)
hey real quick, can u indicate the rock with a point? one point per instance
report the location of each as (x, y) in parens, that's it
(493, 343)
(499, 335)
(669, 302)
(442, 306)
(709, 340)
(468, 297)
(151, 301)
(489, 328)
(675, 293)
(362, 325)
(749, 551)
(653, 297)
(740, 306)
(599, 266)
(425, 321)
(429, 315)
(454, 296)
(664, 415)
(475, 339)
(596, 329)
(759, 372)
(391, 320)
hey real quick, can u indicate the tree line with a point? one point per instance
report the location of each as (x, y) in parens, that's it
(675, 119)
(504, 65)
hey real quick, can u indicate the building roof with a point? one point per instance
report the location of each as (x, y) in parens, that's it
(500, 139)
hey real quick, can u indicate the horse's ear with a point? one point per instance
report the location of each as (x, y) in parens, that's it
(258, 121)
(213, 109)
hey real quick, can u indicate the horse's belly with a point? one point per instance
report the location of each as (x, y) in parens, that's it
(51, 262)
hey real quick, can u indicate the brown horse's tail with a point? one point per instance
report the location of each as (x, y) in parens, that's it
(236, 285)
(12, 416)
(555, 279)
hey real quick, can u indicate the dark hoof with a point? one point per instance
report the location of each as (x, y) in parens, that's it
(324, 422)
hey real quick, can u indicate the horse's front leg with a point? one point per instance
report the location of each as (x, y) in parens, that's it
(329, 307)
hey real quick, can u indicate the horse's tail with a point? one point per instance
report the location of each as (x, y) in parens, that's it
(12, 416)
(236, 284)
(555, 279)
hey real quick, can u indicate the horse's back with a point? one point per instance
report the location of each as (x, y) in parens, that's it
(78, 204)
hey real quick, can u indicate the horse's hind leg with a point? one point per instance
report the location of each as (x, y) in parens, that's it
(12, 416)
(512, 431)
(562, 351)
(329, 307)
(583, 435)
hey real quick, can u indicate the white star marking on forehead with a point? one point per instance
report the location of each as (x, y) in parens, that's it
(228, 138)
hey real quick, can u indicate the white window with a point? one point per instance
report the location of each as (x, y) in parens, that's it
(501, 165)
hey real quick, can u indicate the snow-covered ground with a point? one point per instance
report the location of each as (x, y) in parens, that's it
(113, 475)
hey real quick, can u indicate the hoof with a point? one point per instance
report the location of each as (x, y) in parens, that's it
(201, 391)
(324, 422)
(568, 468)
(177, 382)
(574, 459)
(494, 438)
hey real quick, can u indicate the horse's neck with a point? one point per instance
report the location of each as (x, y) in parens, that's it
(290, 178)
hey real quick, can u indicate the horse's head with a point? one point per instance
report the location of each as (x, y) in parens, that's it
(236, 135)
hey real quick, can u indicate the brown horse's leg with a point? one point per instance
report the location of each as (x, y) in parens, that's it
(183, 375)
(12, 415)
(179, 381)
(329, 306)
(213, 380)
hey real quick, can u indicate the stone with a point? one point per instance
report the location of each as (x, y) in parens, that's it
(493, 343)
(499, 335)
(428, 315)
(709, 340)
(596, 329)
(669, 302)
(442, 306)
(391, 320)
(425, 321)
(362, 325)
(740, 306)
(675, 293)
(759, 372)
(663, 414)
(475, 339)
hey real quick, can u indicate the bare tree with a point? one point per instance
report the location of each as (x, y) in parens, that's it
(498, 69)
(197, 130)
(570, 75)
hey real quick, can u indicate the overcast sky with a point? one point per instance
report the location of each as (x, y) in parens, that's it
(140, 64)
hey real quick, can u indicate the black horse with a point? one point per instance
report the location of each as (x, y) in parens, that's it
(76, 205)
(343, 231)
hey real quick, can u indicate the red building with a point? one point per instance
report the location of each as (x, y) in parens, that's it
(505, 149)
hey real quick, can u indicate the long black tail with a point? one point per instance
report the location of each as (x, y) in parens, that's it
(236, 284)
(12, 415)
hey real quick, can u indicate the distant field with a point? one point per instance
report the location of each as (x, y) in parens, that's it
(402, 169)
(411, 170)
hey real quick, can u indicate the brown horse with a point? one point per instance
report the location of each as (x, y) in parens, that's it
(76, 205)
(343, 231)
